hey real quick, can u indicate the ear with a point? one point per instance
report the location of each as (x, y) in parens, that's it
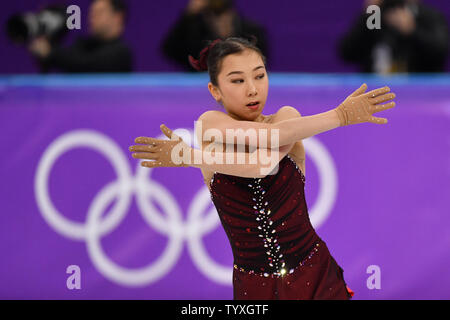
(215, 92)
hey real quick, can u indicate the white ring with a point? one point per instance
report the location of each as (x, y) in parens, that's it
(147, 190)
(64, 143)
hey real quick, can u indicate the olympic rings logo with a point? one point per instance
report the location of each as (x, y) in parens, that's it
(144, 188)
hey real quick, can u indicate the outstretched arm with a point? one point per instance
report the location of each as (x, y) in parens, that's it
(357, 108)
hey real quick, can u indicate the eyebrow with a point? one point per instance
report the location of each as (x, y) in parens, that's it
(233, 72)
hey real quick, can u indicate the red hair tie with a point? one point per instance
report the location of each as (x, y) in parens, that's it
(201, 64)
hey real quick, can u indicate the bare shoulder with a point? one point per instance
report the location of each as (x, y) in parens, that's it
(298, 151)
(212, 114)
(289, 110)
(286, 113)
(208, 116)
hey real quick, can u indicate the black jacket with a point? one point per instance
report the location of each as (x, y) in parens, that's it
(90, 54)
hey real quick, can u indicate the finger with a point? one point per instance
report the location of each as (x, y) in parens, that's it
(147, 140)
(382, 107)
(377, 92)
(378, 120)
(169, 133)
(145, 155)
(143, 148)
(382, 98)
(359, 91)
(151, 164)
(166, 131)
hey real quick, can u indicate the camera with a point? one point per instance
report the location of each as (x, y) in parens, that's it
(49, 22)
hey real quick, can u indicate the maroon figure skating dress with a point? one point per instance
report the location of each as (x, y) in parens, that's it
(277, 253)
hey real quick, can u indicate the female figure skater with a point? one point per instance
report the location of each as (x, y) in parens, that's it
(277, 253)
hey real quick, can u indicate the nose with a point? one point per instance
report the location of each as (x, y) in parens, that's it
(251, 90)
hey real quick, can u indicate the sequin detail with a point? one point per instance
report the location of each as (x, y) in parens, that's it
(212, 179)
(281, 274)
(267, 232)
(298, 169)
(211, 185)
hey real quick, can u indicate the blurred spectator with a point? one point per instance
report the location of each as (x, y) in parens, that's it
(207, 20)
(413, 38)
(102, 51)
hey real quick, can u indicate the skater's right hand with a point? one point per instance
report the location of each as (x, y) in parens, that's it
(360, 106)
(162, 152)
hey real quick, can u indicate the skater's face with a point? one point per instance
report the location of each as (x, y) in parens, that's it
(242, 80)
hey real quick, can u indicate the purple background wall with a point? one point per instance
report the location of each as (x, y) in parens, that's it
(384, 189)
(302, 34)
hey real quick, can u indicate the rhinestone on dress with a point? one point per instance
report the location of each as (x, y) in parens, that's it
(298, 169)
(265, 225)
(283, 271)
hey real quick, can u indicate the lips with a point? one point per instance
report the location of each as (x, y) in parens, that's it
(253, 105)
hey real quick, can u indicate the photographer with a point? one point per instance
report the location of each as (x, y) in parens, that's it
(413, 38)
(102, 51)
(207, 19)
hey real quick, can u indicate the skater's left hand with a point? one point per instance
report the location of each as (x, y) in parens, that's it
(360, 106)
(163, 153)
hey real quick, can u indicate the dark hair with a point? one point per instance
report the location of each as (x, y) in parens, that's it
(212, 55)
(391, 4)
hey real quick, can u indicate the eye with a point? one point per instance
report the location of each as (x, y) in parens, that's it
(258, 77)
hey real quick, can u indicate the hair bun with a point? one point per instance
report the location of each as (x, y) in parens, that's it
(199, 65)
(202, 63)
